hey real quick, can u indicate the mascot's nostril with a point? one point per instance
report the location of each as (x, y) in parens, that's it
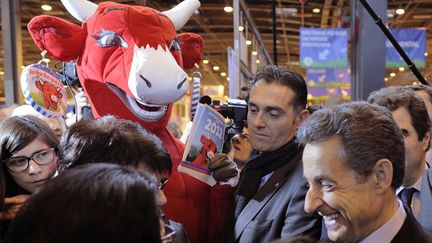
(146, 81)
(181, 83)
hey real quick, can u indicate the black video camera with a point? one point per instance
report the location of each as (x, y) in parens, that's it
(69, 74)
(236, 111)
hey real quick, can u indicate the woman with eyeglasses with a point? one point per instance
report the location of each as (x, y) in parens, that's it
(28, 155)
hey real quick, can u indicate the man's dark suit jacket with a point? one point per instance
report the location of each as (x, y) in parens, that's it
(276, 210)
(410, 232)
(425, 216)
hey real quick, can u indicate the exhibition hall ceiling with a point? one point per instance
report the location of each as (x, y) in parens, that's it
(216, 27)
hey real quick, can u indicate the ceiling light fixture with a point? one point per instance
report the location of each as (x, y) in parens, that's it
(248, 42)
(255, 53)
(241, 28)
(205, 61)
(392, 74)
(228, 9)
(46, 7)
(316, 10)
(401, 69)
(400, 11)
(223, 74)
(216, 68)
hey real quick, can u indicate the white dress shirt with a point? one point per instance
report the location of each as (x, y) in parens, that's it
(388, 231)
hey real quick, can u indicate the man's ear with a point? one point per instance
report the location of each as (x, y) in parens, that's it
(426, 140)
(302, 115)
(383, 173)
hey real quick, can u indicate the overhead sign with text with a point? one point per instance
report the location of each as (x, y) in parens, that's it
(413, 41)
(323, 48)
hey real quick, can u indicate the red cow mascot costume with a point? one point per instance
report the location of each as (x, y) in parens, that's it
(130, 64)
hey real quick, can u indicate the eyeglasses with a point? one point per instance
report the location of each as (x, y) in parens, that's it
(21, 163)
(163, 183)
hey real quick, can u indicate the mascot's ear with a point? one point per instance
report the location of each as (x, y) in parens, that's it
(192, 46)
(62, 39)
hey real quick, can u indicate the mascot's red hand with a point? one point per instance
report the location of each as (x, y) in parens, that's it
(223, 168)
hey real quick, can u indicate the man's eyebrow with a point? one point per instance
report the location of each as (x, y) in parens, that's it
(323, 178)
(405, 131)
(273, 108)
(267, 108)
(251, 103)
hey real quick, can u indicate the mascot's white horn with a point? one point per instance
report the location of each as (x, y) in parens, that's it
(181, 13)
(82, 10)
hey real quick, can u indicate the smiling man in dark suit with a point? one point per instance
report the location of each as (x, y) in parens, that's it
(354, 161)
(270, 197)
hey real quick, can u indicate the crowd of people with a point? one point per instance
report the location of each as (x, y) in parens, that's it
(354, 172)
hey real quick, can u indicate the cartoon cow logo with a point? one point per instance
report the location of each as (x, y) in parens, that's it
(207, 146)
(51, 95)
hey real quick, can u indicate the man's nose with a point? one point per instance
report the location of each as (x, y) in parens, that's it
(259, 120)
(313, 201)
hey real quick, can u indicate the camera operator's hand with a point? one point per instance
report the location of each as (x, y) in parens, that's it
(224, 170)
(82, 108)
(81, 102)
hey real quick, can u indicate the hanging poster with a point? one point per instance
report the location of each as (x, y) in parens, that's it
(323, 48)
(413, 41)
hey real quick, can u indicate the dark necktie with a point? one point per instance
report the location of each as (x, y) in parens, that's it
(406, 196)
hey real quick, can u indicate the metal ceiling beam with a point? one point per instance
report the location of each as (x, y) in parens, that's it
(255, 31)
(12, 50)
(284, 35)
(325, 13)
(337, 14)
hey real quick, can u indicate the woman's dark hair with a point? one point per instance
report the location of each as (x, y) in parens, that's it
(15, 134)
(113, 140)
(91, 203)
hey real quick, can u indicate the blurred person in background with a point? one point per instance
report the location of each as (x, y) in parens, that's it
(410, 113)
(242, 148)
(425, 92)
(57, 124)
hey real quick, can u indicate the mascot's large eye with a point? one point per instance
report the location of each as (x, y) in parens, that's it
(175, 45)
(108, 38)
